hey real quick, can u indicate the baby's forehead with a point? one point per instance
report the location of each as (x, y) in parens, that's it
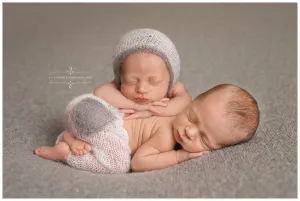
(211, 99)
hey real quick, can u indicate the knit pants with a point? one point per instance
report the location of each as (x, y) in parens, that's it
(96, 122)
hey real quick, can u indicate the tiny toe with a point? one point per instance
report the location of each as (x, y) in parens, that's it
(36, 151)
(87, 147)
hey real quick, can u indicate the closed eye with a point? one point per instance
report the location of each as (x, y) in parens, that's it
(204, 141)
(130, 81)
(155, 82)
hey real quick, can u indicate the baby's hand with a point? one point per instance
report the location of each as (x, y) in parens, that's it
(152, 107)
(155, 107)
(79, 147)
(138, 114)
(183, 155)
(163, 102)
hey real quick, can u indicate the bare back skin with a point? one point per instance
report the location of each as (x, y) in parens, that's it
(141, 130)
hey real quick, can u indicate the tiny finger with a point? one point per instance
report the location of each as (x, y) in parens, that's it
(153, 109)
(159, 103)
(133, 116)
(165, 99)
(126, 111)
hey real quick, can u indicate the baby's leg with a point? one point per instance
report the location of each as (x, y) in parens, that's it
(59, 152)
(78, 147)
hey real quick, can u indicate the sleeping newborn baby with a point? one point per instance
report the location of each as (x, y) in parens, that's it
(222, 116)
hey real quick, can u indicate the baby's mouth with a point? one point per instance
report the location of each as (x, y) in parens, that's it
(141, 100)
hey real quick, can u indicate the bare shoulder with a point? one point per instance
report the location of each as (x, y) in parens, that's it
(162, 137)
(99, 89)
(160, 122)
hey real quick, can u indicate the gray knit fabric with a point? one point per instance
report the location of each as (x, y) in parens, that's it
(89, 116)
(147, 40)
(94, 121)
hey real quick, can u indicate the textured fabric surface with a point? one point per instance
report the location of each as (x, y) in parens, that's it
(147, 40)
(98, 123)
(250, 45)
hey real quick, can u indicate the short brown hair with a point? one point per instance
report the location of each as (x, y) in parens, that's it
(241, 110)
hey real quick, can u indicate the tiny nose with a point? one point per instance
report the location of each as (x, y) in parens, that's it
(142, 88)
(191, 132)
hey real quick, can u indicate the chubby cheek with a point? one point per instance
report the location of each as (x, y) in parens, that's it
(158, 94)
(164, 89)
(128, 91)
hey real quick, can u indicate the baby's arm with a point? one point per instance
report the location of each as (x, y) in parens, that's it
(179, 100)
(78, 147)
(113, 96)
(158, 152)
(110, 93)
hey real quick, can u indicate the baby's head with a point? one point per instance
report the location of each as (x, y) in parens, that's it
(222, 116)
(146, 65)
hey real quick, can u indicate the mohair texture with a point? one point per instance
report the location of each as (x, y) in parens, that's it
(91, 119)
(147, 40)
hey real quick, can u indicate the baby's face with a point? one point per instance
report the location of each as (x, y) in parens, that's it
(201, 126)
(144, 78)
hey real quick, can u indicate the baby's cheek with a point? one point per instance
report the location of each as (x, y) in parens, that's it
(126, 91)
(160, 92)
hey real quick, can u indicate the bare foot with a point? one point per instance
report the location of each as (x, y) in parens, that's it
(59, 152)
(79, 147)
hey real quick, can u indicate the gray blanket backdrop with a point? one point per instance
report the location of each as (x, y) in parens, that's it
(250, 45)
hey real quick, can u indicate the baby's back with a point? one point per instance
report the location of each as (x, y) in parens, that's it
(141, 130)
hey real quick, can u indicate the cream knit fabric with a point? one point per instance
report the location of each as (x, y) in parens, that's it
(94, 121)
(147, 40)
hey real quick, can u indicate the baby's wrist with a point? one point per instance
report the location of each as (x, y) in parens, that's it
(139, 107)
(181, 156)
(177, 157)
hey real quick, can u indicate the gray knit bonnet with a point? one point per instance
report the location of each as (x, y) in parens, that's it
(147, 40)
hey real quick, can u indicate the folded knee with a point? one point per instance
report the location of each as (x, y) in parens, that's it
(88, 116)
